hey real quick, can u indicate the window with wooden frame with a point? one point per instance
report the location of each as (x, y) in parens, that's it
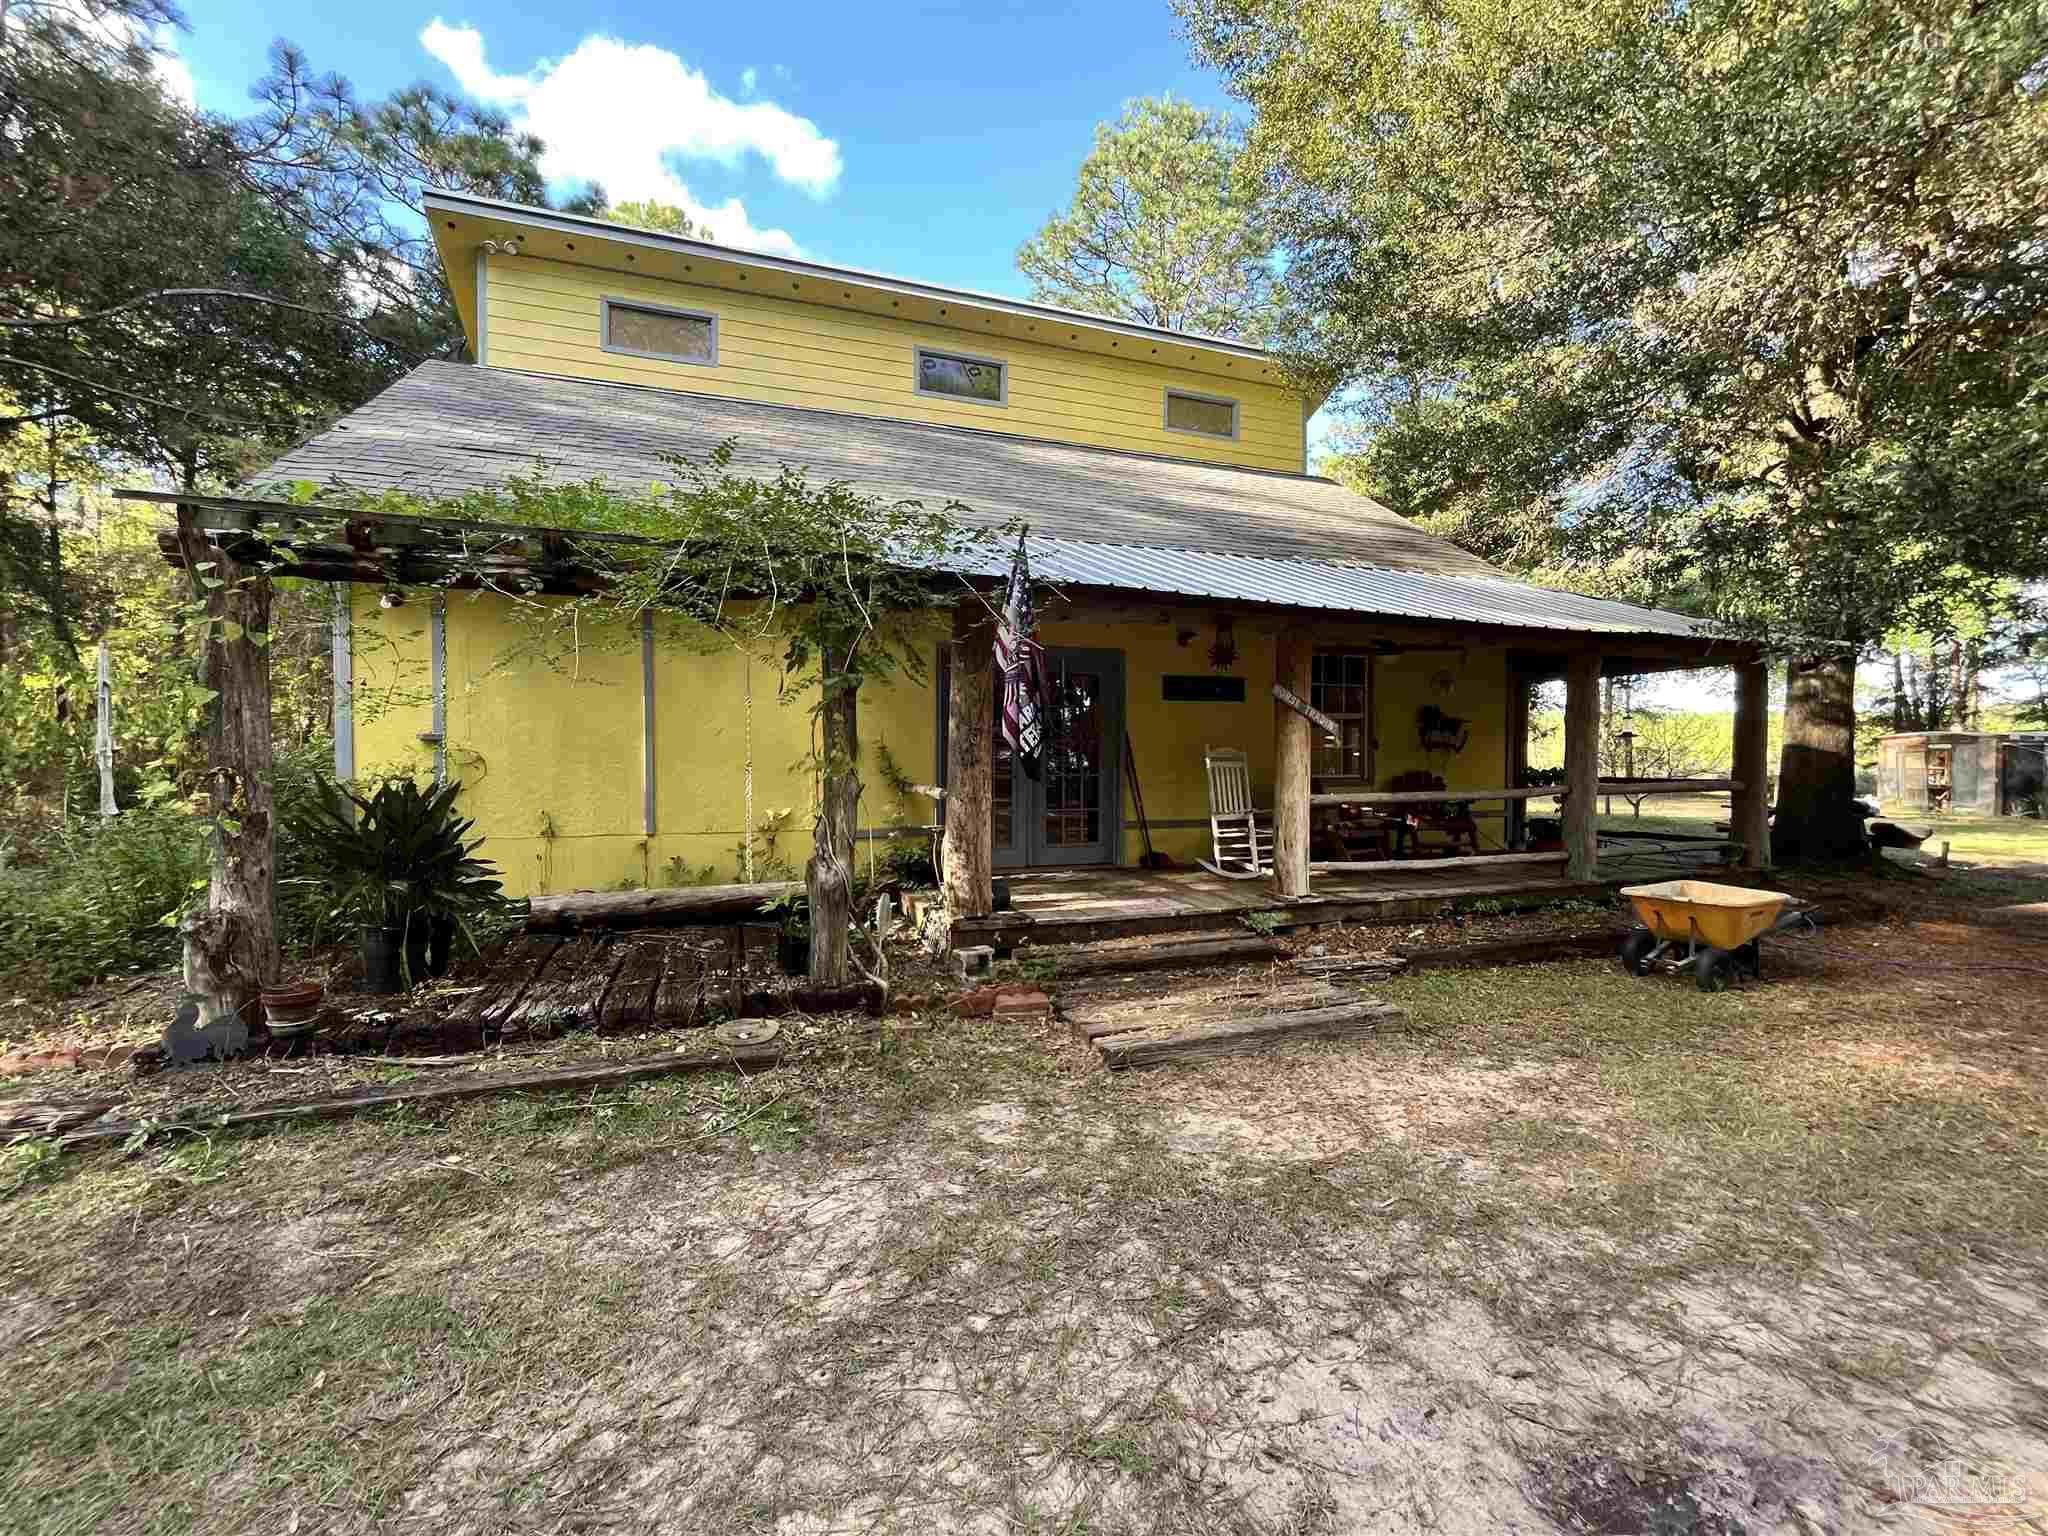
(648, 330)
(1203, 415)
(1340, 685)
(957, 376)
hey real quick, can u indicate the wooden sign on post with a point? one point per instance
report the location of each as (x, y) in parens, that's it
(1306, 710)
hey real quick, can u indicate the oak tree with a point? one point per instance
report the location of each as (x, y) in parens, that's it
(1728, 305)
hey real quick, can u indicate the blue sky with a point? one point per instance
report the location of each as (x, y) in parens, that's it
(926, 140)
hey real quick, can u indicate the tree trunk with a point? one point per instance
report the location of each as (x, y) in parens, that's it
(1817, 815)
(970, 765)
(1749, 765)
(241, 943)
(828, 877)
(661, 907)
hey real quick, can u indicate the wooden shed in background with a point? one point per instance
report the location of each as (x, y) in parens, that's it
(1963, 773)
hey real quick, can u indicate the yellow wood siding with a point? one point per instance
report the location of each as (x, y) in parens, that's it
(544, 316)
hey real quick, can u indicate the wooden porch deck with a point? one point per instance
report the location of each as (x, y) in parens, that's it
(1075, 906)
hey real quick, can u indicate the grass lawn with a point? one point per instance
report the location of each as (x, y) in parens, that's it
(1993, 840)
(1982, 839)
(1691, 814)
(1571, 1250)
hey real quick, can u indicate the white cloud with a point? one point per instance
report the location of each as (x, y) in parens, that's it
(617, 113)
(750, 80)
(172, 72)
(462, 50)
(160, 42)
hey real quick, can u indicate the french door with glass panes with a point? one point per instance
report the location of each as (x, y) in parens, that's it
(1073, 812)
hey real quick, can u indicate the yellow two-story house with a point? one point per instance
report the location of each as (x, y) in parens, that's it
(1165, 481)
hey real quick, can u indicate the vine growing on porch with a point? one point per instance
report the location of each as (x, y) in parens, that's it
(838, 585)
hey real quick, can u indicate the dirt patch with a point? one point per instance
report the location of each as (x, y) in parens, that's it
(1576, 1251)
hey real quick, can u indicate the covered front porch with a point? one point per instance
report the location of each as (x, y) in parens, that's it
(1380, 766)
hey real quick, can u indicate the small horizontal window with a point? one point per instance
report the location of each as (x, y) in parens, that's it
(1203, 414)
(679, 335)
(962, 378)
(1201, 688)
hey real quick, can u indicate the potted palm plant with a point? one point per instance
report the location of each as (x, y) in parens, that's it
(403, 871)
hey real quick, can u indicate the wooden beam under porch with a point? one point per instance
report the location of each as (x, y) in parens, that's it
(1078, 906)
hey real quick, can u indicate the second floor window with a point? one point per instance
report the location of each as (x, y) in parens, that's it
(1203, 415)
(959, 377)
(645, 330)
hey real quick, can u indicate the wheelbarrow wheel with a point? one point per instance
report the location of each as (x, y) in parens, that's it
(1636, 950)
(1714, 971)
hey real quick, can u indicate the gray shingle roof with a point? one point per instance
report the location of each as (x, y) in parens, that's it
(1098, 516)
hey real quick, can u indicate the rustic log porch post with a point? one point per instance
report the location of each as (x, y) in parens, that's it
(231, 950)
(1514, 821)
(970, 763)
(1291, 766)
(1749, 818)
(1582, 764)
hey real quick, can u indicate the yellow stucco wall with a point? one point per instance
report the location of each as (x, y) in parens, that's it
(547, 738)
(551, 752)
(543, 316)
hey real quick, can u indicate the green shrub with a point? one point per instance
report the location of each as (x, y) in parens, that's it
(96, 902)
(91, 901)
(307, 881)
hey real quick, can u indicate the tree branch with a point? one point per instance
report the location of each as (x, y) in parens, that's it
(129, 394)
(240, 295)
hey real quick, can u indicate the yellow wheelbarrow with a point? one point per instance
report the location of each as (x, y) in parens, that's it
(1716, 926)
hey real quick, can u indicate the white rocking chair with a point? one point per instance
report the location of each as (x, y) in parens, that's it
(1242, 844)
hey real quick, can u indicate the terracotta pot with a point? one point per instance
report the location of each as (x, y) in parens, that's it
(293, 996)
(292, 1008)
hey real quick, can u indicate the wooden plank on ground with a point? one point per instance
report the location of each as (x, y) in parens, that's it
(1170, 957)
(1530, 951)
(513, 970)
(1346, 1021)
(1140, 1008)
(565, 991)
(483, 1084)
(1350, 965)
(629, 1002)
(679, 998)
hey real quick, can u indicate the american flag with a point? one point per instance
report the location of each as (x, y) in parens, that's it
(1021, 660)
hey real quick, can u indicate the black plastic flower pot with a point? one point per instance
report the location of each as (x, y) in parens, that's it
(381, 950)
(418, 935)
(793, 951)
(440, 944)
